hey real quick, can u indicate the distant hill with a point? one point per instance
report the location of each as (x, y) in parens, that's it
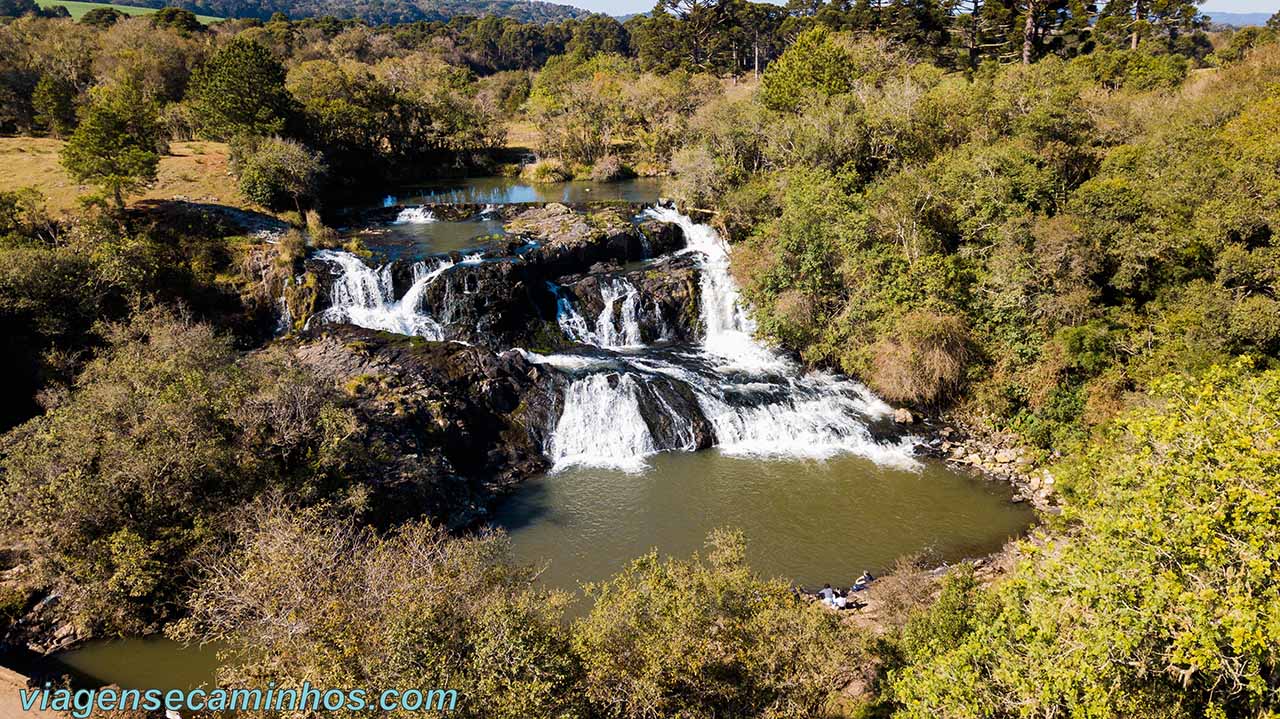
(1239, 19)
(375, 11)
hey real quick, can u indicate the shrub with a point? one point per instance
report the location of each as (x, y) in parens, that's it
(133, 473)
(1156, 598)
(705, 637)
(610, 169)
(278, 173)
(305, 597)
(546, 171)
(924, 360)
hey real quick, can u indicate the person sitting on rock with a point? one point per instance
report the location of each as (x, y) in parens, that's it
(826, 594)
(862, 582)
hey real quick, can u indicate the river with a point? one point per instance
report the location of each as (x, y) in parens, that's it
(806, 464)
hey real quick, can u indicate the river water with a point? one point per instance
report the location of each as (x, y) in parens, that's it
(796, 462)
(810, 521)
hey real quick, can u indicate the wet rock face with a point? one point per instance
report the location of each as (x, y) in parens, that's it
(661, 402)
(452, 424)
(503, 299)
(570, 241)
(667, 304)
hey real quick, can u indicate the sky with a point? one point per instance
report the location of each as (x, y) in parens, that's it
(626, 7)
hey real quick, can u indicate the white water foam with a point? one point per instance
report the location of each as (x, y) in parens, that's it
(617, 326)
(415, 216)
(365, 297)
(601, 425)
(757, 401)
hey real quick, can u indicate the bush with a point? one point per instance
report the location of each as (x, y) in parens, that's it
(278, 173)
(546, 171)
(304, 597)
(133, 472)
(705, 637)
(924, 360)
(1156, 598)
(610, 169)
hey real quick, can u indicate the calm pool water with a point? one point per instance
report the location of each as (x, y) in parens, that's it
(506, 190)
(151, 663)
(807, 521)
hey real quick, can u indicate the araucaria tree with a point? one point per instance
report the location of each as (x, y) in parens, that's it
(117, 145)
(240, 91)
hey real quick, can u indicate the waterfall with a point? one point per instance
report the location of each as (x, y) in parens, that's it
(365, 297)
(617, 327)
(730, 331)
(570, 320)
(415, 216)
(756, 401)
(624, 331)
(601, 424)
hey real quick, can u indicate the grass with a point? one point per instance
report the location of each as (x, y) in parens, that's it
(194, 171)
(78, 9)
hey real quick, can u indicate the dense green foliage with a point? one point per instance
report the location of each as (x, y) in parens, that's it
(132, 470)
(1021, 243)
(705, 636)
(1158, 596)
(302, 597)
(240, 90)
(396, 11)
(116, 144)
(278, 173)
(1048, 218)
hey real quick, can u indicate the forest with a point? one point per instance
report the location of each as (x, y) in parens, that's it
(1042, 218)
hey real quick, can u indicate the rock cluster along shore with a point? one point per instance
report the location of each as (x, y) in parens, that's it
(994, 456)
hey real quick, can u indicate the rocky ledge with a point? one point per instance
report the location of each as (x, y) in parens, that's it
(992, 455)
(506, 296)
(455, 425)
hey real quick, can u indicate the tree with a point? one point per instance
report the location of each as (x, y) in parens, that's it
(184, 21)
(705, 637)
(274, 172)
(102, 17)
(815, 65)
(117, 144)
(307, 597)
(1157, 596)
(18, 8)
(240, 90)
(54, 105)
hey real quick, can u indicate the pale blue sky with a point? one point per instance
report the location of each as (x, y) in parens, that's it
(624, 7)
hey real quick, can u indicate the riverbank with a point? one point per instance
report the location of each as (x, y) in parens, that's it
(11, 684)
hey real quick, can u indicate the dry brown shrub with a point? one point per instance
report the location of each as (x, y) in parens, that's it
(925, 359)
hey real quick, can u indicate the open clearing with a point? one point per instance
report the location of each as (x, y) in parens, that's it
(194, 171)
(78, 9)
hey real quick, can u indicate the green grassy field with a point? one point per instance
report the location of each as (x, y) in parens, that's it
(78, 9)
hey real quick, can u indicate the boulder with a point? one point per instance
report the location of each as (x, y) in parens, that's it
(902, 415)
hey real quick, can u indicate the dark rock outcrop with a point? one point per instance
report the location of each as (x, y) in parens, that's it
(669, 295)
(453, 425)
(504, 299)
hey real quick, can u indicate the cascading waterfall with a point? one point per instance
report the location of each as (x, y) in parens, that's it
(601, 424)
(624, 330)
(365, 297)
(757, 401)
(415, 216)
(617, 326)
(624, 400)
